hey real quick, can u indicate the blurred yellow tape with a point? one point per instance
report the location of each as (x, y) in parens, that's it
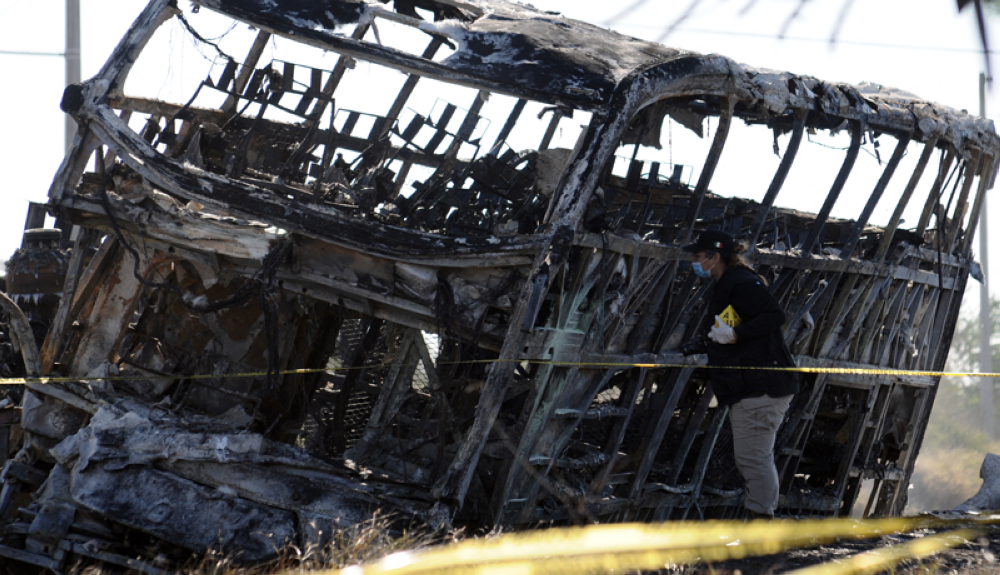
(631, 547)
(878, 560)
(590, 365)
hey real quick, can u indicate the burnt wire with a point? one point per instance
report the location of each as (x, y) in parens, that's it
(845, 148)
(954, 188)
(260, 284)
(942, 219)
(226, 33)
(204, 40)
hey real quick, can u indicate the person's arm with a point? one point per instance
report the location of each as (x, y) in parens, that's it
(759, 311)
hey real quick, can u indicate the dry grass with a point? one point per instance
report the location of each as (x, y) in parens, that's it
(947, 468)
(362, 543)
(354, 545)
(944, 478)
(375, 539)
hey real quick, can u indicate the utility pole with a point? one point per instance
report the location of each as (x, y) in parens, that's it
(72, 58)
(985, 334)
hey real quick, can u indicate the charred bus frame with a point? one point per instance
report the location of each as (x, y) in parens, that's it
(496, 337)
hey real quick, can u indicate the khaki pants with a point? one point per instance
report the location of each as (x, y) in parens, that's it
(755, 425)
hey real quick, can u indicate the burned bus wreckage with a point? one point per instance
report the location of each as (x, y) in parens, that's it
(283, 311)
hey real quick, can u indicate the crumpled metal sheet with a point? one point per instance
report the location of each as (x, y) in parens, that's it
(183, 512)
(201, 484)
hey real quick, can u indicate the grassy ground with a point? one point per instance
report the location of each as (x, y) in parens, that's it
(363, 543)
(947, 469)
(369, 542)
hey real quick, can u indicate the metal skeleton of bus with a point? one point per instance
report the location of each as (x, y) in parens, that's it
(493, 336)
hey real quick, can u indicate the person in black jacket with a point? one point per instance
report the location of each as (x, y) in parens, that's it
(758, 399)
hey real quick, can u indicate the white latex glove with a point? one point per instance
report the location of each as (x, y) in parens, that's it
(721, 333)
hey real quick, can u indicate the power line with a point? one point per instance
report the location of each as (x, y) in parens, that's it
(13, 53)
(807, 39)
(11, 7)
(702, 31)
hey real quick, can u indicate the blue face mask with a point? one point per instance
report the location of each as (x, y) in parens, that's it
(701, 272)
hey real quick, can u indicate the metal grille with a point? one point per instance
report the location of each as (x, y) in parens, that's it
(321, 428)
(421, 381)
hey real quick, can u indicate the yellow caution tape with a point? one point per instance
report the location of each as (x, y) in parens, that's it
(829, 370)
(591, 365)
(633, 547)
(879, 560)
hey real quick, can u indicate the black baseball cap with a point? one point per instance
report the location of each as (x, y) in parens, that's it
(712, 241)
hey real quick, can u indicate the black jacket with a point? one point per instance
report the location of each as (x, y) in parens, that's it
(760, 341)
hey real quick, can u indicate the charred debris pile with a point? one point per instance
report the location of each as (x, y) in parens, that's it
(477, 285)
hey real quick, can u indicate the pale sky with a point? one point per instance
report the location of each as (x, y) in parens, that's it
(921, 46)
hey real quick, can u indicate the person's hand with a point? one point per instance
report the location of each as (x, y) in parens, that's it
(721, 333)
